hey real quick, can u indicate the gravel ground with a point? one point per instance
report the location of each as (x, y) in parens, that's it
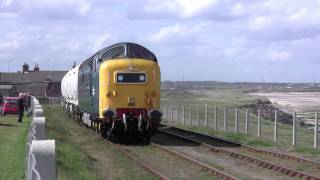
(238, 168)
(305, 167)
(168, 165)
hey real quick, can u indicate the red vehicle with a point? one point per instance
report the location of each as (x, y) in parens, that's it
(10, 106)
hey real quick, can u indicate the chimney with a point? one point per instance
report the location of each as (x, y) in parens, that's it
(36, 67)
(25, 68)
(74, 64)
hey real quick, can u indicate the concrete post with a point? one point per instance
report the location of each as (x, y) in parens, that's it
(259, 122)
(171, 115)
(37, 106)
(236, 121)
(315, 144)
(178, 115)
(39, 124)
(247, 121)
(198, 116)
(37, 113)
(168, 114)
(206, 115)
(215, 118)
(190, 116)
(275, 126)
(42, 160)
(294, 130)
(225, 119)
(183, 116)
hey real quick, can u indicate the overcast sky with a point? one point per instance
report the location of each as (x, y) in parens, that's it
(223, 40)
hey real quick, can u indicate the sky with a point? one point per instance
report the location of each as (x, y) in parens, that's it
(218, 40)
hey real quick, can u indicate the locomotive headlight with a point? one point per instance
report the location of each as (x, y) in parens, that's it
(142, 78)
(120, 77)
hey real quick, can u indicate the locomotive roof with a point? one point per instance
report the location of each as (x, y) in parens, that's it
(102, 51)
(121, 44)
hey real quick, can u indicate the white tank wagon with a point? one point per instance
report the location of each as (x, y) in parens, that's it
(69, 89)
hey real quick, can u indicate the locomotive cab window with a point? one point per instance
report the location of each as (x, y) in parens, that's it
(113, 53)
(140, 53)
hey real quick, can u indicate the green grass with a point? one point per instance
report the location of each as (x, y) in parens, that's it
(72, 162)
(76, 149)
(13, 139)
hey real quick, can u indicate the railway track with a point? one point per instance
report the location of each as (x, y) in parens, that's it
(147, 167)
(215, 145)
(232, 149)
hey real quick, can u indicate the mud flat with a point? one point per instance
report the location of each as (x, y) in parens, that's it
(302, 102)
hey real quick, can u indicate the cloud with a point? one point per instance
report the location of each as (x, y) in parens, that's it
(177, 33)
(216, 38)
(187, 9)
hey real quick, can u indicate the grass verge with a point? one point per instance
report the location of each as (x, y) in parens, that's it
(82, 155)
(13, 139)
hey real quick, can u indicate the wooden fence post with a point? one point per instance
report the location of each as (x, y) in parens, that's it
(315, 144)
(236, 121)
(275, 126)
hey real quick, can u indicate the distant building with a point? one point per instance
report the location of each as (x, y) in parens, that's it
(40, 83)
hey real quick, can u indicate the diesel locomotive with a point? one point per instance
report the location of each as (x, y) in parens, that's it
(116, 91)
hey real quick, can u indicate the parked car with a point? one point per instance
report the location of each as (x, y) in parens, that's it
(10, 106)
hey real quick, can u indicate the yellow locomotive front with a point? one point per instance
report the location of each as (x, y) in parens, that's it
(129, 91)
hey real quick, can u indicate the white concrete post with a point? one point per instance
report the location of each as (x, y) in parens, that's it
(206, 115)
(275, 134)
(198, 116)
(236, 121)
(37, 113)
(178, 114)
(183, 116)
(247, 121)
(39, 125)
(225, 119)
(215, 118)
(190, 116)
(42, 160)
(294, 129)
(315, 144)
(171, 114)
(259, 122)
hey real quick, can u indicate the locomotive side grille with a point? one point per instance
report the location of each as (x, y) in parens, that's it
(130, 77)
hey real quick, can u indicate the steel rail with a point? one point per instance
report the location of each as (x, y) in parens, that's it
(131, 156)
(204, 166)
(142, 164)
(262, 163)
(253, 149)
